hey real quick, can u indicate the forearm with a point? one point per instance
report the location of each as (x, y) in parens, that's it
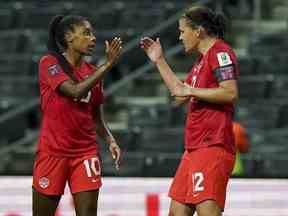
(168, 76)
(214, 95)
(103, 132)
(82, 88)
(180, 100)
(79, 90)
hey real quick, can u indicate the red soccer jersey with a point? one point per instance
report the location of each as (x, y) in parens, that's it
(211, 124)
(67, 128)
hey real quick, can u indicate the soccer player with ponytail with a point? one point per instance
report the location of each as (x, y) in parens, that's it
(210, 90)
(71, 95)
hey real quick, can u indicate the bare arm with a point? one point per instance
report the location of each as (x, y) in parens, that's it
(154, 51)
(78, 90)
(171, 81)
(103, 131)
(227, 92)
(178, 101)
(168, 76)
(101, 127)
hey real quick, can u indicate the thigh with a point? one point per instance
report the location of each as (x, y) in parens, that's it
(208, 208)
(44, 205)
(180, 209)
(50, 174)
(86, 203)
(85, 173)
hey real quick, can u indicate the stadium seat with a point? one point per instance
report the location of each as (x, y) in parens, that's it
(6, 19)
(161, 165)
(169, 140)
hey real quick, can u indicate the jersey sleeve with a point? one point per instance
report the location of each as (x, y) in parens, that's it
(223, 65)
(52, 71)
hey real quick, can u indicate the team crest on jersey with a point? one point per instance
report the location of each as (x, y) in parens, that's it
(223, 59)
(43, 182)
(54, 69)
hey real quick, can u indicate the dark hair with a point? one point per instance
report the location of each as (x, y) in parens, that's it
(57, 43)
(213, 23)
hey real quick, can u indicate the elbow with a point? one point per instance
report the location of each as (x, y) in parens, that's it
(234, 98)
(175, 104)
(73, 90)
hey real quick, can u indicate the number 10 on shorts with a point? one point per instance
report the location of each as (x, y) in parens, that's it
(92, 166)
(197, 180)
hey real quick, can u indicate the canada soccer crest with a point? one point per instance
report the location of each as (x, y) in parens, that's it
(54, 69)
(44, 182)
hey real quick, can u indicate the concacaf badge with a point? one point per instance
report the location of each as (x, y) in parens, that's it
(223, 59)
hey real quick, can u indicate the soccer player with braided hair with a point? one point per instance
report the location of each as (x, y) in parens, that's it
(71, 95)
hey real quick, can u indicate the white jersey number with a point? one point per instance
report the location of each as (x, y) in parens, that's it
(198, 179)
(92, 166)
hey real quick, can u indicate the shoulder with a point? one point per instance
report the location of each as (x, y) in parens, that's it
(48, 59)
(49, 63)
(222, 47)
(222, 54)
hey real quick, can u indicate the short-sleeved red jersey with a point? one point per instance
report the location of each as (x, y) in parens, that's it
(206, 123)
(67, 128)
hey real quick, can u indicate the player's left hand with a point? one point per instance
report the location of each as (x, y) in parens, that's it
(182, 90)
(116, 153)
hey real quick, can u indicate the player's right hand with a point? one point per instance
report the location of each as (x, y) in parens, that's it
(113, 50)
(152, 48)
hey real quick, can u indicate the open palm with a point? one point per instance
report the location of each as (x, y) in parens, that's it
(152, 48)
(113, 50)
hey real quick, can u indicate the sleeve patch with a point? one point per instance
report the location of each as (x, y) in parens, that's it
(223, 59)
(225, 73)
(54, 69)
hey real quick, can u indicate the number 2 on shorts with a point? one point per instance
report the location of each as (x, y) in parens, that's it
(92, 166)
(198, 179)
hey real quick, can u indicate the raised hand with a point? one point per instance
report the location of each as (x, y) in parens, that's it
(113, 50)
(153, 49)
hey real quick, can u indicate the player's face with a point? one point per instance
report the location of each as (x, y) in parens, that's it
(83, 39)
(188, 36)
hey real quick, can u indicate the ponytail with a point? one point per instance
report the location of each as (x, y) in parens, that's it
(55, 44)
(52, 44)
(220, 25)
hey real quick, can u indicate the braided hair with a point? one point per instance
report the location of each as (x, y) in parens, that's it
(57, 43)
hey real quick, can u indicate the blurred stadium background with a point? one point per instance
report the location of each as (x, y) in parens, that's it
(138, 110)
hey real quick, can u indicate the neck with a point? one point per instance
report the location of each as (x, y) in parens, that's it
(73, 57)
(206, 44)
